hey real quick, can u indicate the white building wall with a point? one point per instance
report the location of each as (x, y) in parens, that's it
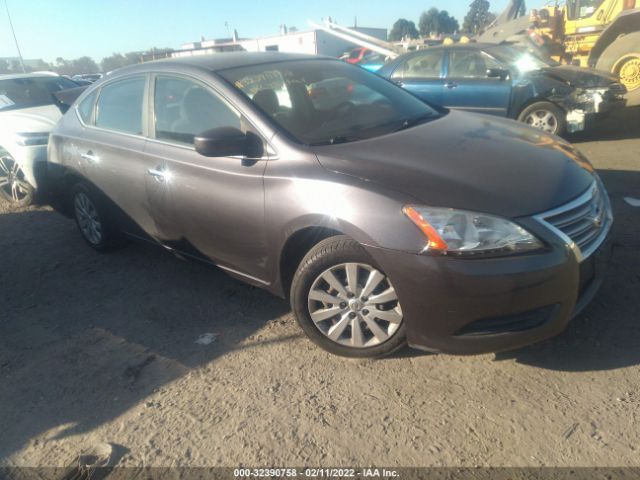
(297, 42)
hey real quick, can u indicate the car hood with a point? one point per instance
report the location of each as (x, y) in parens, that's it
(470, 162)
(579, 77)
(35, 119)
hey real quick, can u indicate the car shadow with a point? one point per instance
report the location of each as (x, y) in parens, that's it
(86, 337)
(606, 334)
(622, 124)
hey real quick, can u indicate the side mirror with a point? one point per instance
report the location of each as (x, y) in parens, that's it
(500, 73)
(228, 142)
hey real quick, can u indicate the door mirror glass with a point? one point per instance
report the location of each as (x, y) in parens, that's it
(228, 142)
(500, 73)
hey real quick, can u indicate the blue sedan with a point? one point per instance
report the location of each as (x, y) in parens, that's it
(507, 81)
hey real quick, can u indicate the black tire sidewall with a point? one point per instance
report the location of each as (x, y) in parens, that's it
(326, 254)
(560, 115)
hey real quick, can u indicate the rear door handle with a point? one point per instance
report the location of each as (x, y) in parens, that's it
(451, 85)
(89, 157)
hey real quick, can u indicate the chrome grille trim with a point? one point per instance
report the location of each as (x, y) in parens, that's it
(584, 222)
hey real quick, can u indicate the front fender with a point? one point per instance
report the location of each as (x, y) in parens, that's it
(364, 211)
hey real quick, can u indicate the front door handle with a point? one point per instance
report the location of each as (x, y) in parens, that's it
(158, 174)
(451, 85)
(90, 157)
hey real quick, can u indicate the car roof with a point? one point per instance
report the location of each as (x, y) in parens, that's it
(28, 75)
(222, 61)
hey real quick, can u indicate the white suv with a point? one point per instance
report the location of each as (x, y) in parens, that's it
(28, 112)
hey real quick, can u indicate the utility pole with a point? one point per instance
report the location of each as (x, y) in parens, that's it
(6, 6)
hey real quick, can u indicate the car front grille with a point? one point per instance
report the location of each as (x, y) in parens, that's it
(584, 221)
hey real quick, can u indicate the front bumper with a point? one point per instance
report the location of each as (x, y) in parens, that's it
(476, 306)
(32, 161)
(596, 104)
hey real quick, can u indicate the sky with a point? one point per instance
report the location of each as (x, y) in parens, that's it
(49, 29)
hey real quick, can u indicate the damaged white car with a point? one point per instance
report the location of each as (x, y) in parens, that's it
(29, 110)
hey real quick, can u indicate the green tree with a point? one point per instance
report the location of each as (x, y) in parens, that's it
(117, 60)
(4, 66)
(429, 22)
(16, 67)
(42, 66)
(403, 28)
(448, 24)
(436, 22)
(83, 65)
(478, 17)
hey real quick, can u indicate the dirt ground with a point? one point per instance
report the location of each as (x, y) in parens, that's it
(103, 348)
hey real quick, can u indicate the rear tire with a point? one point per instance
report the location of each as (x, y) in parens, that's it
(93, 219)
(545, 116)
(363, 314)
(622, 59)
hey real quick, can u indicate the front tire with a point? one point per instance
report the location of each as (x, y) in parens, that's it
(545, 116)
(14, 188)
(345, 303)
(93, 220)
(622, 59)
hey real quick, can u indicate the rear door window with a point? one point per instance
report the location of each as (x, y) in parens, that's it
(470, 63)
(120, 106)
(85, 109)
(423, 65)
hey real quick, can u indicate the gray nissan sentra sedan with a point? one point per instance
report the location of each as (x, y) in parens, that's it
(384, 220)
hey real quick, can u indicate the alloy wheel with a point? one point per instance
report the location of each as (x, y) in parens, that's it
(88, 218)
(355, 305)
(12, 180)
(543, 120)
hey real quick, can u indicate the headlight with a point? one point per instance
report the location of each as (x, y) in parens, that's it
(462, 233)
(30, 139)
(588, 95)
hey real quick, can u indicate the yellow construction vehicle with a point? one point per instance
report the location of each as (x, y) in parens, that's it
(603, 34)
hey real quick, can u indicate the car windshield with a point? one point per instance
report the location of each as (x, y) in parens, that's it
(27, 92)
(322, 102)
(520, 58)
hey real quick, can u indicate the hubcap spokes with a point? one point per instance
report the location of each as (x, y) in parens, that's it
(355, 305)
(543, 120)
(88, 219)
(12, 180)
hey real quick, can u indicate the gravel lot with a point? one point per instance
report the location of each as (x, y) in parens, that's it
(103, 348)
